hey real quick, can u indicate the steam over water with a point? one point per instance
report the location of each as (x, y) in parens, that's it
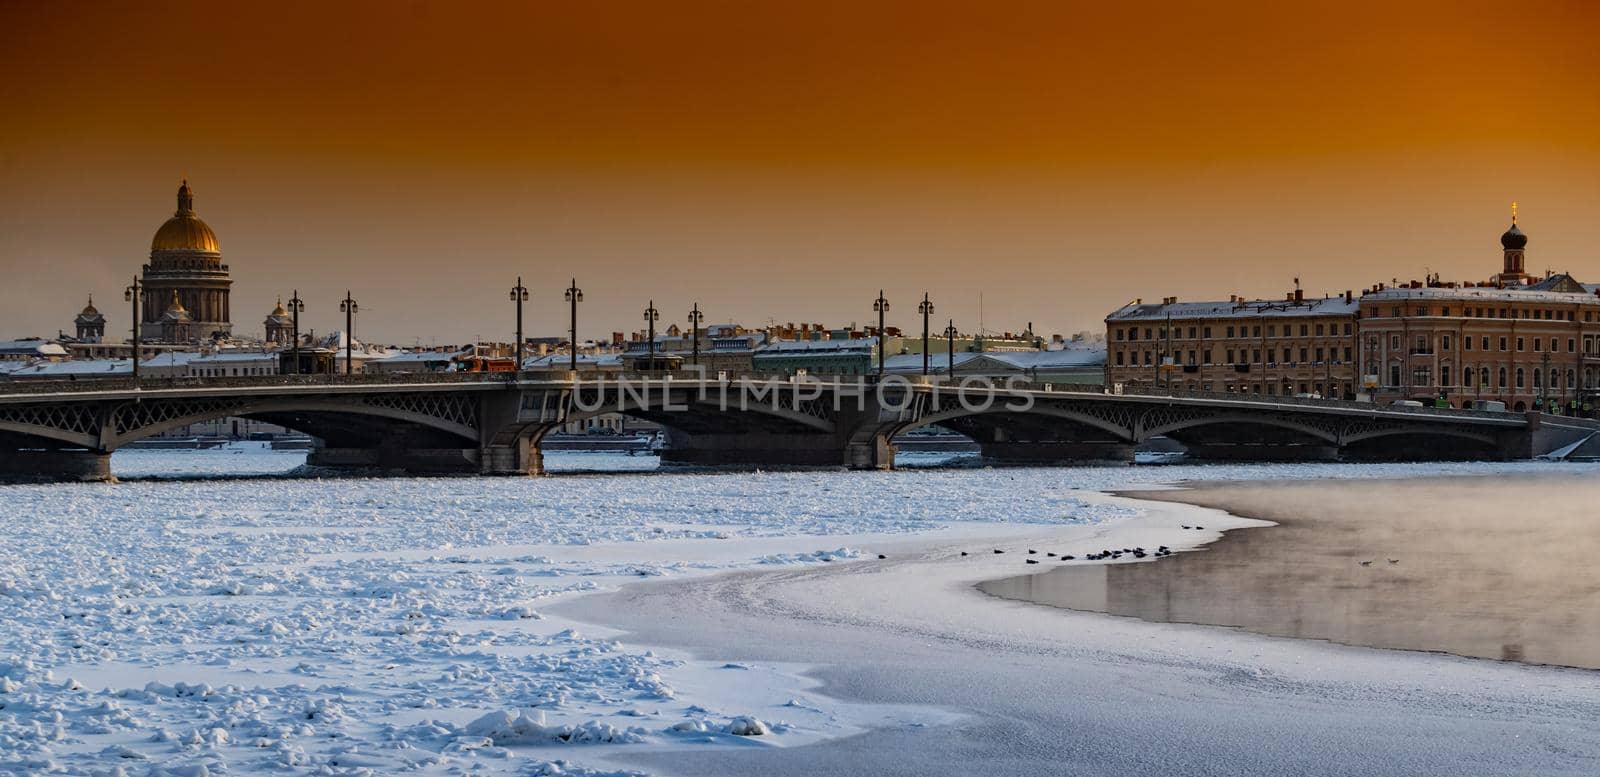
(1501, 567)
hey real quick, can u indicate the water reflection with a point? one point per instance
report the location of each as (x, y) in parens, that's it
(1498, 568)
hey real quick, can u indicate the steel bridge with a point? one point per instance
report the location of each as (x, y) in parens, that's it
(493, 424)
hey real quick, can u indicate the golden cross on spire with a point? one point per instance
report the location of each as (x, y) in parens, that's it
(1513, 213)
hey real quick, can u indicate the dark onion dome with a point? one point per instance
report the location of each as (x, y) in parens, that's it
(1513, 239)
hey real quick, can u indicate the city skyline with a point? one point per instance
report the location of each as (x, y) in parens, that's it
(1057, 174)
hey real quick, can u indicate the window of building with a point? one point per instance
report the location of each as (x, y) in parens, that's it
(1119, 335)
(1572, 345)
(1445, 311)
(1119, 358)
(1230, 331)
(1394, 375)
(1347, 330)
(1421, 377)
(1272, 330)
(1303, 330)
(1444, 343)
(1191, 333)
(1466, 376)
(1206, 356)
(1537, 381)
(1502, 343)
(1536, 347)
(1319, 356)
(1422, 310)
(1319, 330)
(1395, 313)
(1502, 383)
(1255, 357)
(1520, 382)
(1347, 353)
(1255, 331)
(1519, 343)
(1303, 354)
(1394, 342)
(1230, 356)
(1206, 333)
(1422, 345)
(1466, 343)
(1486, 343)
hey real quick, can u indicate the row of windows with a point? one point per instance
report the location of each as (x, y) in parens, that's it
(1490, 378)
(1422, 345)
(1241, 356)
(1271, 388)
(223, 372)
(1535, 314)
(1204, 332)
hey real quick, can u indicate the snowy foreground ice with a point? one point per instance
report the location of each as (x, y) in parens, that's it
(263, 625)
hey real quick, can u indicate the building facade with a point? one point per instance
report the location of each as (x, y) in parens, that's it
(1532, 343)
(1274, 347)
(186, 268)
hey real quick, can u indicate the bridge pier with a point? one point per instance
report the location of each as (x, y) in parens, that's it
(1057, 452)
(55, 465)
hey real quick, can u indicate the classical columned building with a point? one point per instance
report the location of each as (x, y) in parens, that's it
(186, 267)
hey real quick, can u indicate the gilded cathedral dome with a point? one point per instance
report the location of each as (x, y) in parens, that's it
(185, 231)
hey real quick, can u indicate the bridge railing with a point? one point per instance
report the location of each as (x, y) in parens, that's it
(1020, 382)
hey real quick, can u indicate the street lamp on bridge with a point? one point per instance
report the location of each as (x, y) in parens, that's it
(695, 317)
(926, 309)
(347, 306)
(881, 305)
(574, 296)
(950, 347)
(135, 295)
(519, 295)
(296, 305)
(651, 316)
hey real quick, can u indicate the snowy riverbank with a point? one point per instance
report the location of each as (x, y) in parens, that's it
(251, 625)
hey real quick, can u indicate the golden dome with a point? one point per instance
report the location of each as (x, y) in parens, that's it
(89, 309)
(185, 231)
(279, 311)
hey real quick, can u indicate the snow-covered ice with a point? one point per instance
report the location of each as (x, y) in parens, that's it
(215, 624)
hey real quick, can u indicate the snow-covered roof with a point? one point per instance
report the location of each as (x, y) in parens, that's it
(562, 360)
(32, 347)
(1484, 293)
(819, 346)
(79, 367)
(1256, 308)
(1020, 361)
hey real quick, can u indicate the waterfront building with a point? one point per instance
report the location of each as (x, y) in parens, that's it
(1525, 341)
(855, 356)
(186, 271)
(1296, 345)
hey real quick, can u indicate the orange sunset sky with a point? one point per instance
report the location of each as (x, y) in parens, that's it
(786, 160)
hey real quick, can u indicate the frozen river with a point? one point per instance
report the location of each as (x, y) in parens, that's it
(249, 624)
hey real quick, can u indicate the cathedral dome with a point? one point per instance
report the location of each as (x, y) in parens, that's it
(185, 231)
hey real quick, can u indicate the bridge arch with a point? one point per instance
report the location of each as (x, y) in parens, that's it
(449, 417)
(1168, 427)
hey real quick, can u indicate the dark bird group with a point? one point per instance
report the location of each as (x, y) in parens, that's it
(1139, 552)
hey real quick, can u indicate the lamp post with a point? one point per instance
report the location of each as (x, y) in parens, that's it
(882, 306)
(950, 348)
(295, 306)
(926, 309)
(651, 315)
(135, 295)
(574, 296)
(519, 295)
(347, 306)
(695, 317)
